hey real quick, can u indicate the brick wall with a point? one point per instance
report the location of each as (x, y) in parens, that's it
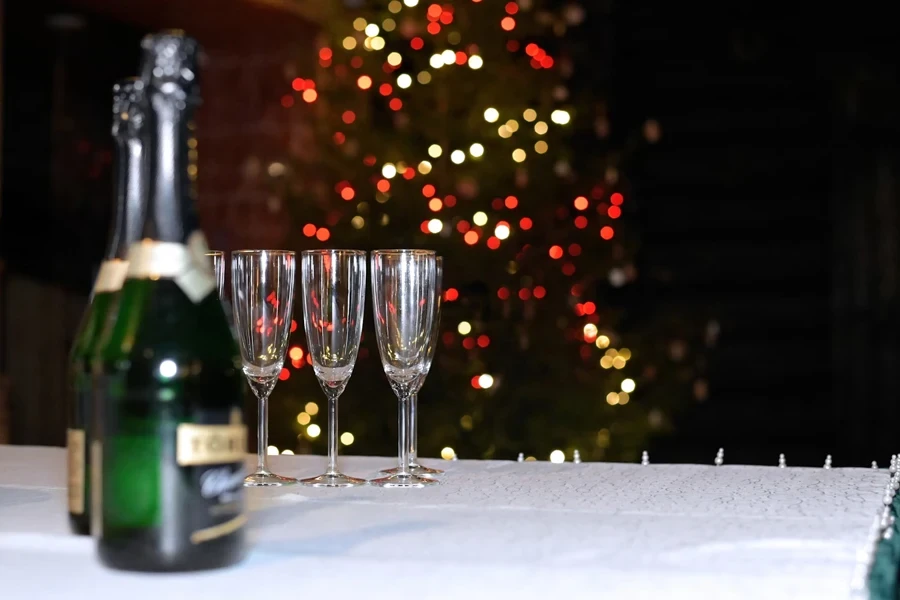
(242, 129)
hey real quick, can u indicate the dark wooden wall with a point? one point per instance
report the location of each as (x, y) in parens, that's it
(775, 207)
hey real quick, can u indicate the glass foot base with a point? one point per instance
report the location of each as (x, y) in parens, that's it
(333, 480)
(403, 481)
(415, 469)
(266, 479)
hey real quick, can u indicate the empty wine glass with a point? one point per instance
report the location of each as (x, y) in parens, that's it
(414, 467)
(262, 285)
(403, 297)
(218, 261)
(334, 296)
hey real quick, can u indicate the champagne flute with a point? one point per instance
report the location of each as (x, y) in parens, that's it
(262, 286)
(218, 261)
(414, 467)
(403, 298)
(334, 296)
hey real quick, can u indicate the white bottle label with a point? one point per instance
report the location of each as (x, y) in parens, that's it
(187, 265)
(111, 276)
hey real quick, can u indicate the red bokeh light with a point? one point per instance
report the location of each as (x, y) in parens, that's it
(450, 200)
(512, 8)
(556, 252)
(287, 101)
(428, 190)
(614, 212)
(451, 295)
(424, 227)
(468, 343)
(417, 43)
(507, 23)
(581, 222)
(339, 138)
(293, 326)
(616, 198)
(435, 204)
(511, 202)
(475, 382)
(581, 203)
(309, 230)
(348, 117)
(503, 293)
(493, 243)
(433, 28)
(568, 269)
(463, 226)
(461, 57)
(284, 375)
(323, 234)
(574, 249)
(325, 54)
(525, 223)
(347, 193)
(606, 232)
(524, 294)
(471, 238)
(396, 104)
(539, 292)
(383, 185)
(385, 89)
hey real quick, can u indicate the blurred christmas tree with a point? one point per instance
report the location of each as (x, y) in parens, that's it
(479, 129)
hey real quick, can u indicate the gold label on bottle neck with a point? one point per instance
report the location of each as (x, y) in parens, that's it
(111, 275)
(210, 444)
(75, 449)
(186, 265)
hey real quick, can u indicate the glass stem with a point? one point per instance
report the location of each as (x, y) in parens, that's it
(403, 438)
(332, 436)
(262, 441)
(413, 428)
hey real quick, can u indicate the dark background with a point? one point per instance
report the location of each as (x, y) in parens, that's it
(771, 200)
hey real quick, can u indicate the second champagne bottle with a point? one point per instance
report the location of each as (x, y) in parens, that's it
(128, 117)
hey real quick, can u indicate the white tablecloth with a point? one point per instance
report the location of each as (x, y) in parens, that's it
(492, 530)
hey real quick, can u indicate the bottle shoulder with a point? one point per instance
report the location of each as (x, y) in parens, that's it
(155, 317)
(90, 329)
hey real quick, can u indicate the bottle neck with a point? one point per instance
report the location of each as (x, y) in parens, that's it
(129, 207)
(171, 215)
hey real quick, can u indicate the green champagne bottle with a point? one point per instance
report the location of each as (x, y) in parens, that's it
(171, 453)
(126, 229)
